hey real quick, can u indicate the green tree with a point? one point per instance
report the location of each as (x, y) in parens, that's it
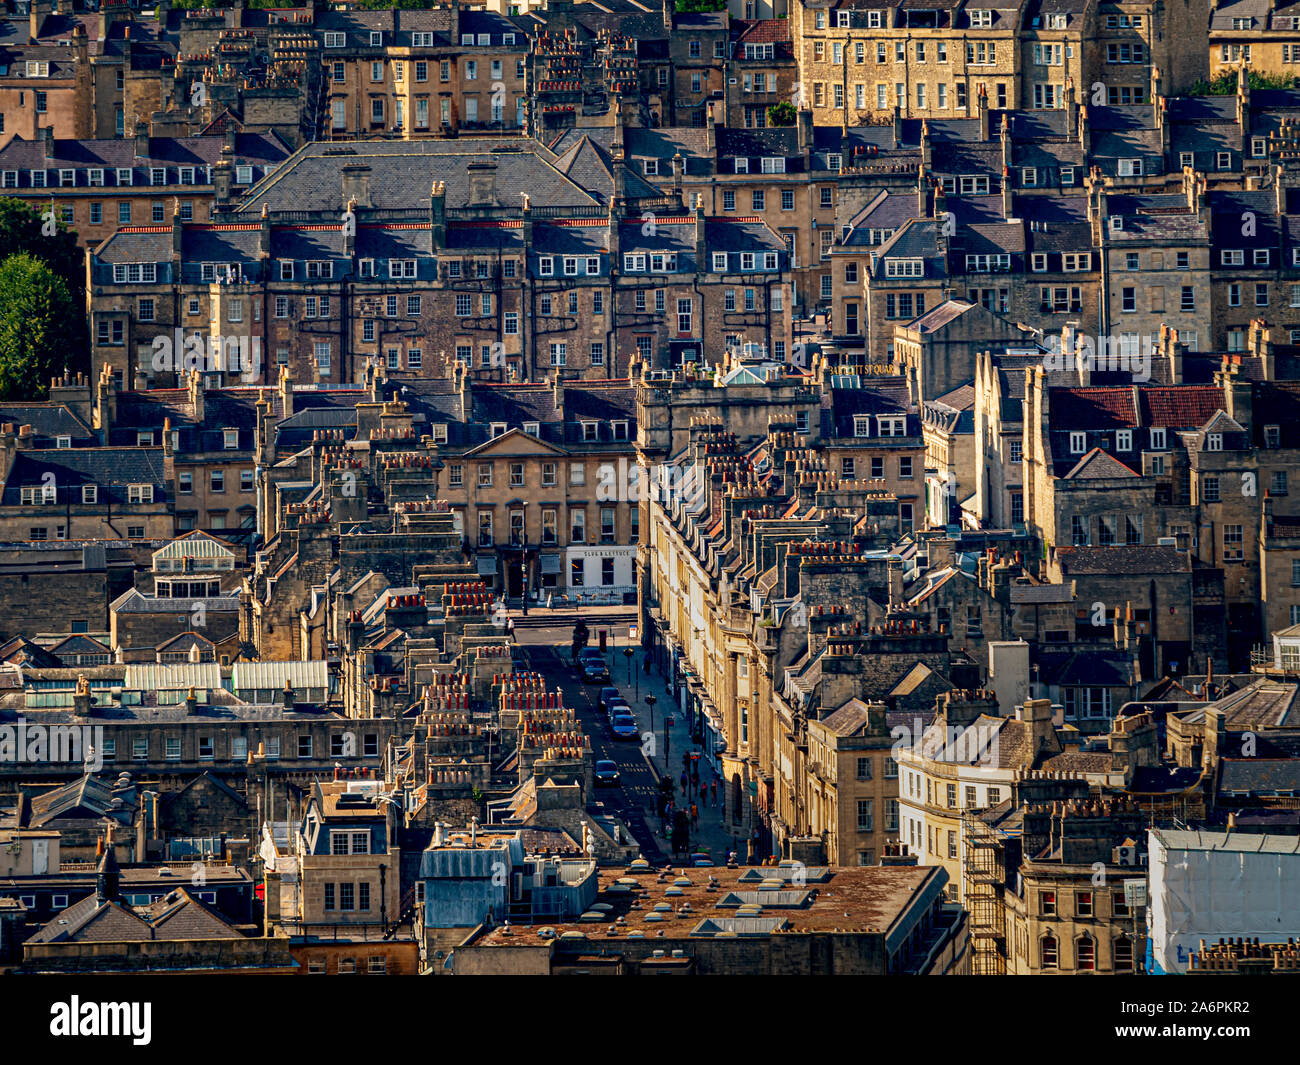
(701, 5)
(782, 114)
(40, 326)
(1226, 83)
(24, 228)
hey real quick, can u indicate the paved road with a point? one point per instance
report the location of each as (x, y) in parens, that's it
(634, 798)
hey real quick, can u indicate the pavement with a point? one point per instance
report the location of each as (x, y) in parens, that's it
(566, 614)
(641, 765)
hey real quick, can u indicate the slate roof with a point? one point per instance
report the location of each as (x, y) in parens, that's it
(940, 315)
(113, 469)
(177, 916)
(402, 172)
(917, 239)
(259, 149)
(48, 422)
(1033, 594)
(849, 720)
(1259, 776)
(1074, 668)
(86, 797)
(1097, 465)
(1265, 704)
(1112, 561)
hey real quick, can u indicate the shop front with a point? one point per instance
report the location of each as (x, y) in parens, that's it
(601, 573)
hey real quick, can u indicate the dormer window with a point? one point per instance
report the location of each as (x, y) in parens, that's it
(1078, 443)
(1213, 441)
(144, 439)
(892, 426)
(862, 425)
(499, 429)
(440, 433)
(230, 439)
(620, 430)
(64, 442)
(533, 428)
(590, 432)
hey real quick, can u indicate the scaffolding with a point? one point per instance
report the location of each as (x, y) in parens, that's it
(982, 888)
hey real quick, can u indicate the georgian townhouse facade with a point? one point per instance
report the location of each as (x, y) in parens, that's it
(95, 186)
(422, 73)
(858, 62)
(698, 50)
(542, 478)
(780, 175)
(762, 64)
(514, 291)
(1266, 37)
(83, 493)
(47, 86)
(1141, 238)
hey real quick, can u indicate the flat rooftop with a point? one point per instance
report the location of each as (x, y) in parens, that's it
(706, 901)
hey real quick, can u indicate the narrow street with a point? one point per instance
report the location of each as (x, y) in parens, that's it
(546, 650)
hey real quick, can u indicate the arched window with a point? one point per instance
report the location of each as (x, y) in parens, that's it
(1049, 952)
(1085, 949)
(1123, 955)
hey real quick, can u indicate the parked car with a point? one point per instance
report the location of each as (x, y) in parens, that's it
(594, 671)
(624, 727)
(617, 704)
(607, 693)
(605, 773)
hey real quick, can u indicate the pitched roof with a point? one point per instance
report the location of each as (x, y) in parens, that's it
(1134, 558)
(1097, 464)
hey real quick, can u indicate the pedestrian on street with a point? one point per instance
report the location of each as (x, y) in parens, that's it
(510, 627)
(704, 793)
(713, 793)
(684, 781)
(695, 816)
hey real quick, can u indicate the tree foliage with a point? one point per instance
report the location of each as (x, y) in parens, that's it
(40, 326)
(701, 5)
(26, 229)
(1226, 83)
(782, 114)
(31, 231)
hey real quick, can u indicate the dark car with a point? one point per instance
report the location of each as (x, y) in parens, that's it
(605, 773)
(624, 727)
(593, 671)
(606, 694)
(617, 705)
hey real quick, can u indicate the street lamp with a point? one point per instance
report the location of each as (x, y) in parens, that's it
(628, 653)
(523, 561)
